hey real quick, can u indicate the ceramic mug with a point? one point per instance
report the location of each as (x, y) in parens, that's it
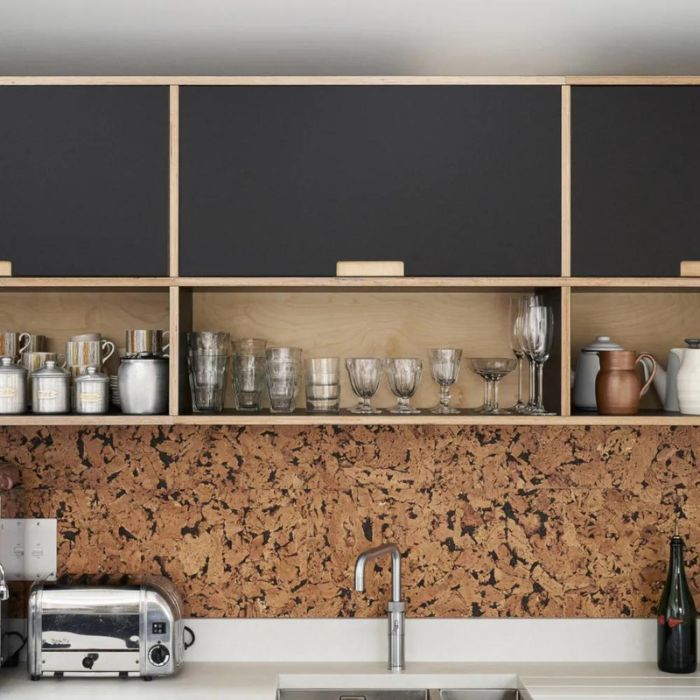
(84, 337)
(30, 342)
(83, 353)
(141, 341)
(8, 343)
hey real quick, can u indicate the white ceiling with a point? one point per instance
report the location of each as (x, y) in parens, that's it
(349, 36)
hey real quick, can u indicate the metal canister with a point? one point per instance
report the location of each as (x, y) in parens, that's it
(13, 387)
(143, 385)
(91, 391)
(50, 389)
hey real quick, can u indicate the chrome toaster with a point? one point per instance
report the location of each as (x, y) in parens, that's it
(80, 630)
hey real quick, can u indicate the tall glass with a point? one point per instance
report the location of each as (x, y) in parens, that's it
(322, 384)
(538, 334)
(248, 370)
(518, 308)
(283, 378)
(207, 358)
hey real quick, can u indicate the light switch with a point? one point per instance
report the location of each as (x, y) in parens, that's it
(28, 549)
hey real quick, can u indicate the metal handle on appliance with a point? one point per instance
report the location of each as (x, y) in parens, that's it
(4, 590)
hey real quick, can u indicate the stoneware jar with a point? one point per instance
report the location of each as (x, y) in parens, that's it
(618, 386)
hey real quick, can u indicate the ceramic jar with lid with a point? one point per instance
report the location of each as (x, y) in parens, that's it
(50, 389)
(13, 387)
(587, 368)
(91, 392)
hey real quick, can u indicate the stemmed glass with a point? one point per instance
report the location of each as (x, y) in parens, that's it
(492, 370)
(365, 374)
(518, 307)
(404, 375)
(444, 365)
(538, 332)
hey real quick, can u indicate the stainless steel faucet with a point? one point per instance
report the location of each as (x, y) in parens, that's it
(396, 608)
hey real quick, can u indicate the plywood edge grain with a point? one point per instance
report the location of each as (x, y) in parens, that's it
(96, 282)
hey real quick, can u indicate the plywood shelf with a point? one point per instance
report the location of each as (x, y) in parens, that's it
(302, 418)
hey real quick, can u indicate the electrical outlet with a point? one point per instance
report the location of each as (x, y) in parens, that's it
(28, 549)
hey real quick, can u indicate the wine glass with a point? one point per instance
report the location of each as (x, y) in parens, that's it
(365, 374)
(404, 374)
(518, 307)
(444, 365)
(492, 370)
(538, 333)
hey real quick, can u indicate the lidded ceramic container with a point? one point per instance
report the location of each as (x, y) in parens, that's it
(91, 392)
(50, 389)
(587, 368)
(13, 387)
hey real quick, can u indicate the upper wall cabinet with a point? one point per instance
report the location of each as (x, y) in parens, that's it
(635, 180)
(84, 180)
(287, 180)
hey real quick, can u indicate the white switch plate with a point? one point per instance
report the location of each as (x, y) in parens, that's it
(28, 549)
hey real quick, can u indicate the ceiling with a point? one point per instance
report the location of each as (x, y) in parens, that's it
(507, 37)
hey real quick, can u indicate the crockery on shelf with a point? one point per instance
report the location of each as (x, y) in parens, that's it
(444, 365)
(146, 342)
(322, 376)
(618, 387)
(283, 378)
(492, 370)
(31, 342)
(365, 373)
(50, 389)
(248, 371)
(587, 368)
(91, 392)
(143, 385)
(13, 387)
(403, 375)
(9, 344)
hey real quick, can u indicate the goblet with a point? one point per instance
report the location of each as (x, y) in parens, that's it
(404, 374)
(444, 365)
(365, 374)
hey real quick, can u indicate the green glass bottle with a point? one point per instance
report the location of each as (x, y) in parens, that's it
(677, 617)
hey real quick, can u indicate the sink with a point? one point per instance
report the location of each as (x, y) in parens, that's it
(462, 694)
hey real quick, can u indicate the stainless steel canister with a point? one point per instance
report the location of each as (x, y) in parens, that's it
(91, 391)
(143, 385)
(13, 387)
(50, 389)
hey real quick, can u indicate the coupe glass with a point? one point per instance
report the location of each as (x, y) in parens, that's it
(444, 365)
(492, 370)
(365, 374)
(538, 333)
(404, 374)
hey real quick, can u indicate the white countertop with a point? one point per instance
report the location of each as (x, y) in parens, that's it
(259, 681)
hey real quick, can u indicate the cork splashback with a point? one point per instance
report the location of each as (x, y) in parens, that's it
(252, 522)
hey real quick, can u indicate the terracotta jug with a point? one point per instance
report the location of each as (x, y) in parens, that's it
(618, 386)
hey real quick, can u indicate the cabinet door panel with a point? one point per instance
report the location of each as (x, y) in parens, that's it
(635, 183)
(287, 180)
(84, 180)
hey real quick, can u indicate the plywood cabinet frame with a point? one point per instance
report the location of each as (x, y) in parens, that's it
(180, 287)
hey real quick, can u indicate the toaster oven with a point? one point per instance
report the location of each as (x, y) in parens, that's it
(81, 630)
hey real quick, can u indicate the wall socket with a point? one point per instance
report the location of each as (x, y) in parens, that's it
(28, 549)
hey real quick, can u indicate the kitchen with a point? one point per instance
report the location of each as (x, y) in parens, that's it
(371, 346)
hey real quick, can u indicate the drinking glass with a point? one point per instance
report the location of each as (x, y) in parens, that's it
(444, 365)
(518, 308)
(248, 370)
(322, 384)
(538, 332)
(365, 374)
(209, 342)
(283, 378)
(404, 374)
(492, 370)
(207, 381)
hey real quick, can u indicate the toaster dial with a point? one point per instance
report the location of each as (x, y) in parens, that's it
(158, 655)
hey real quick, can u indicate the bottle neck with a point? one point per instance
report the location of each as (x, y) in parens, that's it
(676, 554)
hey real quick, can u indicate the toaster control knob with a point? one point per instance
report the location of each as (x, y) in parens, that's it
(158, 655)
(89, 661)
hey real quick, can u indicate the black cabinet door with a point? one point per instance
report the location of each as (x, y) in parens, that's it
(287, 180)
(635, 180)
(84, 180)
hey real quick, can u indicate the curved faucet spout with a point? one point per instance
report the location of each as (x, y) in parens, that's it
(373, 553)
